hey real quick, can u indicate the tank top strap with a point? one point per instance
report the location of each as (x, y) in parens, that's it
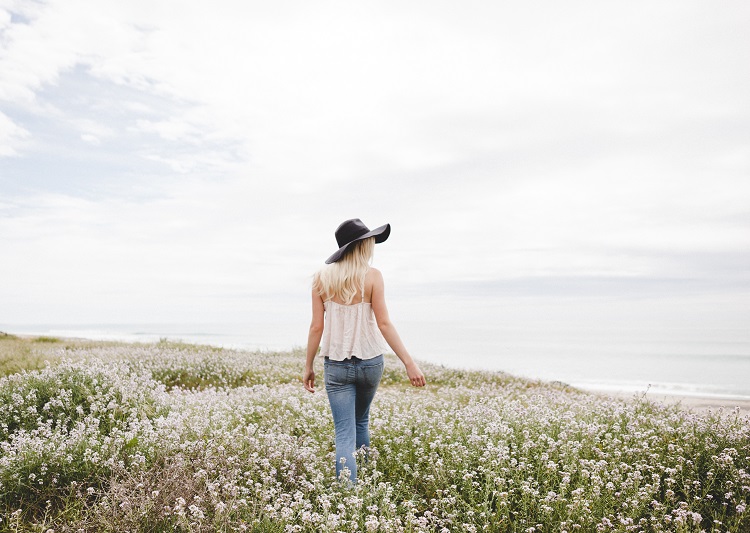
(363, 289)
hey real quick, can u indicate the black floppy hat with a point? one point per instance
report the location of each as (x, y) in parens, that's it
(353, 230)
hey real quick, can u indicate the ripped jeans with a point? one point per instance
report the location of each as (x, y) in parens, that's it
(351, 386)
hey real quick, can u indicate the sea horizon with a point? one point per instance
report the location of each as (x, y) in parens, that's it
(613, 361)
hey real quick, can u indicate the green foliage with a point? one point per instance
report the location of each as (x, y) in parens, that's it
(46, 339)
(18, 354)
(68, 424)
(64, 395)
(173, 437)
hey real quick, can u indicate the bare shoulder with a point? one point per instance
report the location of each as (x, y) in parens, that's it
(373, 275)
(374, 282)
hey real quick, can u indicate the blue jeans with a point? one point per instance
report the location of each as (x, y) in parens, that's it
(351, 386)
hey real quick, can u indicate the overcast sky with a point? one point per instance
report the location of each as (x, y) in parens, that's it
(170, 161)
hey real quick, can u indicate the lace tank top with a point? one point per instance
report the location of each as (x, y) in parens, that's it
(351, 330)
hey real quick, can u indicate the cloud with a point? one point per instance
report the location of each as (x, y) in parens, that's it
(11, 136)
(207, 150)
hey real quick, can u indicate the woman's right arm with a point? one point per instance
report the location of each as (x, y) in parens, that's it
(389, 330)
(313, 340)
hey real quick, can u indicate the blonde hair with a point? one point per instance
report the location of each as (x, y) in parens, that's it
(345, 278)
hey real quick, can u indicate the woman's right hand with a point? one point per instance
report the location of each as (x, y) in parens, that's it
(415, 375)
(308, 379)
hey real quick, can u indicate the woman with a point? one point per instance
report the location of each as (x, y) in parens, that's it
(349, 315)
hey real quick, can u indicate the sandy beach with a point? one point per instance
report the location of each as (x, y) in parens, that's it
(699, 404)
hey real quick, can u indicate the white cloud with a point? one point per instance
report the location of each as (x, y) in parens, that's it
(91, 139)
(578, 140)
(11, 136)
(170, 130)
(92, 132)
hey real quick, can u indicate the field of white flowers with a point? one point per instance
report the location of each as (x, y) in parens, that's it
(170, 437)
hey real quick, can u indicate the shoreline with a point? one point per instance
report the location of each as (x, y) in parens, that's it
(696, 401)
(699, 404)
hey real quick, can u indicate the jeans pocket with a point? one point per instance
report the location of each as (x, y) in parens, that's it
(335, 375)
(371, 374)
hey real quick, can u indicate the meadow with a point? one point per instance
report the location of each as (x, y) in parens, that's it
(101, 436)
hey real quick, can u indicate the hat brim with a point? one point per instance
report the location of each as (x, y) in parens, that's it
(380, 234)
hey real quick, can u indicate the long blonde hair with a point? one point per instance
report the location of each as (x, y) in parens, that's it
(345, 278)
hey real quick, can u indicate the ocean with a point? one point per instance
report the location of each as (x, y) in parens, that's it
(705, 362)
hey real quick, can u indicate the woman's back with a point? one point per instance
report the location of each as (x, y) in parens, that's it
(364, 294)
(351, 330)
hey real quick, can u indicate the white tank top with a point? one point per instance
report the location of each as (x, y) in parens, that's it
(351, 330)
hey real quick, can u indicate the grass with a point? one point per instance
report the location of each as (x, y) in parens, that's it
(18, 354)
(46, 339)
(175, 437)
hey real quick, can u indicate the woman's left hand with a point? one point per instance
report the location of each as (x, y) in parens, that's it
(415, 375)
(308, 379)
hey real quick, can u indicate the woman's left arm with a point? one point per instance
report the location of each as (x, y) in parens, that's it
(313, 340)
